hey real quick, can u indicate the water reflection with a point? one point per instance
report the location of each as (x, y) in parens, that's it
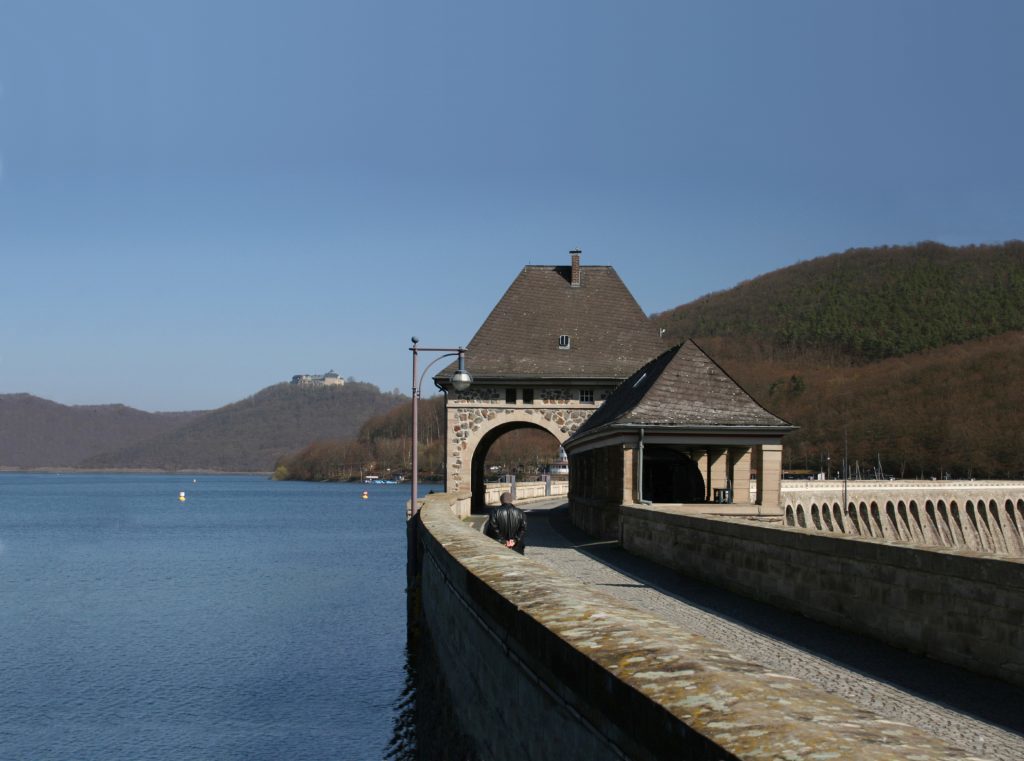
(425, 726)
(402, 745)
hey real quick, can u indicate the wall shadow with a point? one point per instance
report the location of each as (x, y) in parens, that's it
(425, 726)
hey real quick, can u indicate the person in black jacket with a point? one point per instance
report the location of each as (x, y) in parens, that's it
(507, 525)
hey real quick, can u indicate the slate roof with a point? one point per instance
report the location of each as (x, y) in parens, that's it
(681, 389)
(610, 336)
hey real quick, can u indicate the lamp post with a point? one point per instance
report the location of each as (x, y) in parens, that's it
(460, 381)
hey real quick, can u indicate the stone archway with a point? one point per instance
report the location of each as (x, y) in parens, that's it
(483, 446)
(472, 419)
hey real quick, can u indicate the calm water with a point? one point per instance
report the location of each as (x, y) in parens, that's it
(256, 620)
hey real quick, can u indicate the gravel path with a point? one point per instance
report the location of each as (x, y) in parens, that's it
(980, 715)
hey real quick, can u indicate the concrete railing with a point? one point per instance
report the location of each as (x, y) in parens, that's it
(593, 678)
(980, 516)
(950, 487)
(526, 490)
(959, 607)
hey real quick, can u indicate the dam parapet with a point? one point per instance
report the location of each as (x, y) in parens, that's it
(583, 675)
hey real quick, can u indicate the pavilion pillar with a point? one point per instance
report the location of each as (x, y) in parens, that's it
(629, 496)
(700, 456)
(740, 457)
(718, 474)
(769, 476)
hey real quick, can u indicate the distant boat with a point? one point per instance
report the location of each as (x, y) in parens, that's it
(379, 480)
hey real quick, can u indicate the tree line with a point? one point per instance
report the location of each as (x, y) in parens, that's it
(383, 448)
(909, 355)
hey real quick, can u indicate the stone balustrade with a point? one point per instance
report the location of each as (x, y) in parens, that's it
(977, 516)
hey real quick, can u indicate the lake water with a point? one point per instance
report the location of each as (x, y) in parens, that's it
(255, 620)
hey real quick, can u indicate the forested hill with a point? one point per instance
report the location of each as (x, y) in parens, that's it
(911, 354)
(252, 434)
(37, 432)
(866, 304)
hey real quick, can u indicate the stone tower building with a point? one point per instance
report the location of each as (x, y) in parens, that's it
(554, 347)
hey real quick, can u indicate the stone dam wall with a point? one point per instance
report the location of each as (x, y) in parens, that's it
(961, 607)
(539, 665)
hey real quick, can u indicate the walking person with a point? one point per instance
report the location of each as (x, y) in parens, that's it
(507, 525)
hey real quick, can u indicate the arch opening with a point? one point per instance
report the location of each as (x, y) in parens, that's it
(671, 476)
(939, 524)
(826, 516)
(518, 450)
(837, 514)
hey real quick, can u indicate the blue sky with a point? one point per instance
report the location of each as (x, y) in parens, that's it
(200, 199)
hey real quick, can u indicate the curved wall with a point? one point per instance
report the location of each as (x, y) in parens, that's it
(538, 663)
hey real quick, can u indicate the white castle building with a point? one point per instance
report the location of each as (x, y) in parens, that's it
(330, 378)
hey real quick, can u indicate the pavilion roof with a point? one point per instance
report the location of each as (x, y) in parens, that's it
(683, 388)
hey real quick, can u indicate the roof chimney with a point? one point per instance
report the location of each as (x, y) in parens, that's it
(574, 281)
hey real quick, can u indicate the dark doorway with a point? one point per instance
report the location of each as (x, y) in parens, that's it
(671, 476)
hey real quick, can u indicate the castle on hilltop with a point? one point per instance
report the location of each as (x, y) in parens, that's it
(330, 378)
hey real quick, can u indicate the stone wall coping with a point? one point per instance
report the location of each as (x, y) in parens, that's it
(959, 563)
(964, 486)
(664, 687)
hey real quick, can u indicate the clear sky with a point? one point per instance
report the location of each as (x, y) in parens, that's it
(201, 198)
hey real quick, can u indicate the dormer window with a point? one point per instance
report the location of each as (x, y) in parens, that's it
(563, 342)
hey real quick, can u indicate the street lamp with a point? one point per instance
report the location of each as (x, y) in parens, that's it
(460, 380)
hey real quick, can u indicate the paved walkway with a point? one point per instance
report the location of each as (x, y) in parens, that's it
(983, 716)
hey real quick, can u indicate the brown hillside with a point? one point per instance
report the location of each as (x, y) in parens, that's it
(37, 433)
(958, 409)
(250, 435)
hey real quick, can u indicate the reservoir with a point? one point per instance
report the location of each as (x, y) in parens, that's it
(253, 620)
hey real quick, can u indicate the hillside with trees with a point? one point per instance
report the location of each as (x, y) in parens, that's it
(865, 305)
(250, 435)
(384, 448)
(913, 355)
(39, 433)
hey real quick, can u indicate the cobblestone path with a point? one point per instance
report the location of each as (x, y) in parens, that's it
(982, 716)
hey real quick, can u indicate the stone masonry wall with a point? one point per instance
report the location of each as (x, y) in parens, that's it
(962, 608)
(597, 485)
(470, 417)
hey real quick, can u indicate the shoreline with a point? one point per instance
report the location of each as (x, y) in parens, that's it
(57, 470)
